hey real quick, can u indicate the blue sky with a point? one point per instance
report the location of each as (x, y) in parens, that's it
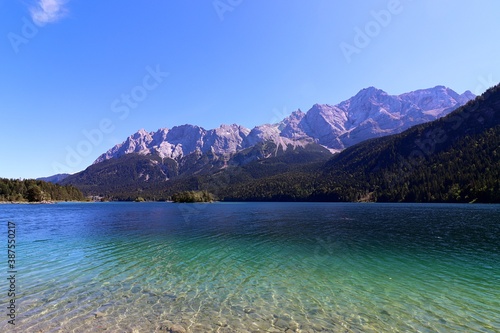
(79, 76)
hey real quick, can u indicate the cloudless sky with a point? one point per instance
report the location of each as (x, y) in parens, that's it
(67, 67)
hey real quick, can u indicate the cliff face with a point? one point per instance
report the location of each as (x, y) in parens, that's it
(370, 113)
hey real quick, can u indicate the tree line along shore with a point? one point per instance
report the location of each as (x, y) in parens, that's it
(37, 191)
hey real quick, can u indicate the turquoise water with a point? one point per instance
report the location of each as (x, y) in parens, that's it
(254, 267)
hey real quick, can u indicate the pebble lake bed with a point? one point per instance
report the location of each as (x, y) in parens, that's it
(254, 267)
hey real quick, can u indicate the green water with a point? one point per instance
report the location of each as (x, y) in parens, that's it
(255, 267)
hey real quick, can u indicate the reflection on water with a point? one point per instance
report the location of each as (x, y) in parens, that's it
(263, 267)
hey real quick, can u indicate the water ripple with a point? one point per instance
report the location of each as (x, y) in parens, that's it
(258, 267)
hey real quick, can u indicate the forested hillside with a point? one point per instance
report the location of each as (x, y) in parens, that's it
(453, 159)
(36, 191)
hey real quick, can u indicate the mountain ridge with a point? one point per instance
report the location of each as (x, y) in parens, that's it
(54, 178)
(453, 159)
(370, 113)
(275, 167)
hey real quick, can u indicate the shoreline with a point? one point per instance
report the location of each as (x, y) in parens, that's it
(235, 201)
(51, 202)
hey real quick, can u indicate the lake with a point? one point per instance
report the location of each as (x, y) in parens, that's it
(253, 267)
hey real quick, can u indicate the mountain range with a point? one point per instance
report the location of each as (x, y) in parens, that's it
(370, 113)
(453, 159)
(292, 160)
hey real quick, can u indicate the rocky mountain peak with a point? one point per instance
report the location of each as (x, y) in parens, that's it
(370, 113)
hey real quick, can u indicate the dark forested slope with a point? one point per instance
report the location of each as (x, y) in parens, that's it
(453, 159)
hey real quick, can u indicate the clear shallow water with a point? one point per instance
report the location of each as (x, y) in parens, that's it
(263, 267)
